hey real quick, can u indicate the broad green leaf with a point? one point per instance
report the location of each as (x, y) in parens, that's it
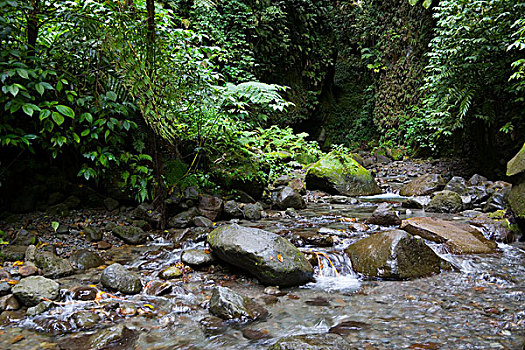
(427, 3)
(13, 89)
(39, 88)
(22, 73)
(28, 109)
(65, 110)
(412, 2)
(55, 225)
(84, 133)
(112, 96)
(58, 118)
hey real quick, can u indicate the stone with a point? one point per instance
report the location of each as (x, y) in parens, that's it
(24, 238)
(170, 273)
(117, 277)
(393, 255)
(197, 257)
(12, 252)
(9, 303)
(496, 226)
(477, 180)
(84, 259)
(416, 202)
(129, 234)
(52, 265)
(300, 239)
(83, 293)
(517, 199)
(289, 198)
(31, 290)
(252, 212)
(459, 238)
(202, 221)
(298, 185)
(28, 270)
(111, 337)
(268, 256)
(213, 325)
(457, 184)
(111, 204)
(85, 319)
(40, 308)
(230, 305)
(232, 209)
(478, 194)
(93, 233)
(211, 207)
(423, 185)
(5, 288)
(498, 200)
(384, 216)
(321, 341)
(517, 164)
(183, 219)
(445, 202)
(341, 174)
(53, 326)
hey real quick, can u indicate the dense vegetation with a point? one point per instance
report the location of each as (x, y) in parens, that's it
(149, 96)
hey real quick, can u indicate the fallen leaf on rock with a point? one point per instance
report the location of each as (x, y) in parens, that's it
(424, 346)
(16, 339)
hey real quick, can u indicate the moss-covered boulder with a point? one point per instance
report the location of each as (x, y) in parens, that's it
(445, 202)
(338, 173)
(393, 255)
(423, 185)
(516, 169)
(266, 255)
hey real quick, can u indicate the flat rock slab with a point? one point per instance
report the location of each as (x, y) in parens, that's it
(32, 290)
(268, 256)
(459, 238)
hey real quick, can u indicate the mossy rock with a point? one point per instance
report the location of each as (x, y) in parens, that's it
(517, 164)
(517, 198)
(341, 174)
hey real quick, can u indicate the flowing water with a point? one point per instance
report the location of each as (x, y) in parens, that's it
(480, 305)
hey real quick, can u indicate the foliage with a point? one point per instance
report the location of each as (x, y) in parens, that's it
(468, 69)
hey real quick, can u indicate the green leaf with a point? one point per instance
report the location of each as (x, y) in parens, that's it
(22, 73)
(44, 113)
(65, 110)
(84, 133)
(412, 2)
(58, 118)
(29, 109)
(427, 3)
(76, 137)
(39, 88)
(112, 96)
(13, 89)
(55, 225)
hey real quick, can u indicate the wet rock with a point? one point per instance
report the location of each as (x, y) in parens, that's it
(40, 308)
(348, 327)
(271, 258)
(31, 290)
(298, 185)
(517, 164)
(170, 273)
(274, 290)
(393, 255)
(300, 239)
(457, 184)
(211, 207)
(478, 194)
(213, 325)
(53, 326)
(183, 219)
(517, 198)
(254, 334)
(58, 210)
(85, 319)
(197, 258)
(232, 209)
(445, 202)
(83, 293)
(28, 270)
(384, 216)
(476, 180)
(129, 234)
(202, 221)
(111, 204)
(498, 200)
(116, 337)
(9, 303)
(103, 245)
(318, 301)
(423, 185)
(338, 199)
(117, 277)
(229, 305)
(52, 265)
(93, 233)
(252, 212)
(84, 259)
(5, 288)
(417, 202)
(496, 226)
(458, 238)
(30, 254)
(157, 287)
(289, 198)
(24, 238)
(341, 174)
(322, 341)
(13, 252)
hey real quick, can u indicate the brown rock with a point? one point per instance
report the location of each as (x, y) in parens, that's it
(459, 238)
(28, 270)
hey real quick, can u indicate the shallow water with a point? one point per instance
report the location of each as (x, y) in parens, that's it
(479, 306)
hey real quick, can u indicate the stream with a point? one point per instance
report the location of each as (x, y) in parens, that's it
(478, 305)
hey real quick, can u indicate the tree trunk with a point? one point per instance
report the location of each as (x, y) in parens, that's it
(32, 27)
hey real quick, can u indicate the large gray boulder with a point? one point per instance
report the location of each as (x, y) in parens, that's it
(211, 207)
(268, 256)
(230, 305)
(52, 265)
(184, 219)
(458, 238)
(117, 277)
(423, 185)
(393, 255)
(289, 198)
(129, 234)
(32, 290)
(340, 174)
